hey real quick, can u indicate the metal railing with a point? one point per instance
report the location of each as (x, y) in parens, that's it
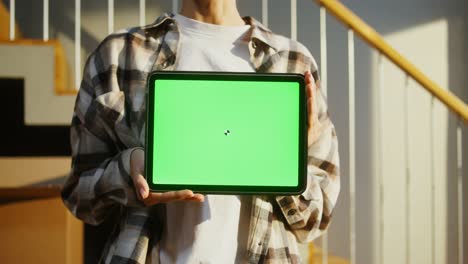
(374, 39)
(453, 103)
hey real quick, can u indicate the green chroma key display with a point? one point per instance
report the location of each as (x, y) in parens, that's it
(226, 133)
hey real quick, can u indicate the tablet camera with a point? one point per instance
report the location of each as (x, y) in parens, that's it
(227, 132)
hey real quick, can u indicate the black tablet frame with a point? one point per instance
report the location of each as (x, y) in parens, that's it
(230, 76)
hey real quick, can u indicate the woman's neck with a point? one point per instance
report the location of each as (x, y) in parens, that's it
(219, 12)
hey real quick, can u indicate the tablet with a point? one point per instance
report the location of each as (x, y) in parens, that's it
(226, 133)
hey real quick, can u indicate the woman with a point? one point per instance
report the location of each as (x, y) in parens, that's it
(182, 227)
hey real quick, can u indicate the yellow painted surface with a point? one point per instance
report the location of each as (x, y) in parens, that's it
(16, 172)
(40, 231)
(5, 24)
(316, 257)
(61, 72)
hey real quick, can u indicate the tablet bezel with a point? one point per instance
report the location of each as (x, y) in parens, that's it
(227, 76)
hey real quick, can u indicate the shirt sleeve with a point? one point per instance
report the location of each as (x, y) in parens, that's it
(99, 181)
(309, 214)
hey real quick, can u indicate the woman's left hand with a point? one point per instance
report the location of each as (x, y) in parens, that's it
(313, 128)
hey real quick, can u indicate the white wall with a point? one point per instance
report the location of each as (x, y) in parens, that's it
(431, 35)
(431, 59)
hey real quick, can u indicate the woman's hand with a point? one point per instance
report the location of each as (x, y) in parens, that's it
(313, 128)
(137, 161)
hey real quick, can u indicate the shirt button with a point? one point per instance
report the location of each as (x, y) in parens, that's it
(292, 212)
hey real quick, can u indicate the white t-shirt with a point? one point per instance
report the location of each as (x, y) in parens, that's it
(216, 230)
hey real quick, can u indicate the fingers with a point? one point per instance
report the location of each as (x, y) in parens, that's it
(152, 198)
(313, 125)
(172, 196)
(308, 77)
(309, 81)
(197, 197)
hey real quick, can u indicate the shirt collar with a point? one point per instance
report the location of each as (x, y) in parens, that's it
(257, 32)
(260, 32)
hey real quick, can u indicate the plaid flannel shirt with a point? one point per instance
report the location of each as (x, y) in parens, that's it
(109, 122)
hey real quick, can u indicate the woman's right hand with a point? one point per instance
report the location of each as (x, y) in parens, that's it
(137, 164)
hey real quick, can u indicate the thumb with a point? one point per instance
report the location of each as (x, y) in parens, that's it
(141, 187)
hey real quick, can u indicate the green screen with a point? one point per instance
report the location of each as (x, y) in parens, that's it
(213, 132)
